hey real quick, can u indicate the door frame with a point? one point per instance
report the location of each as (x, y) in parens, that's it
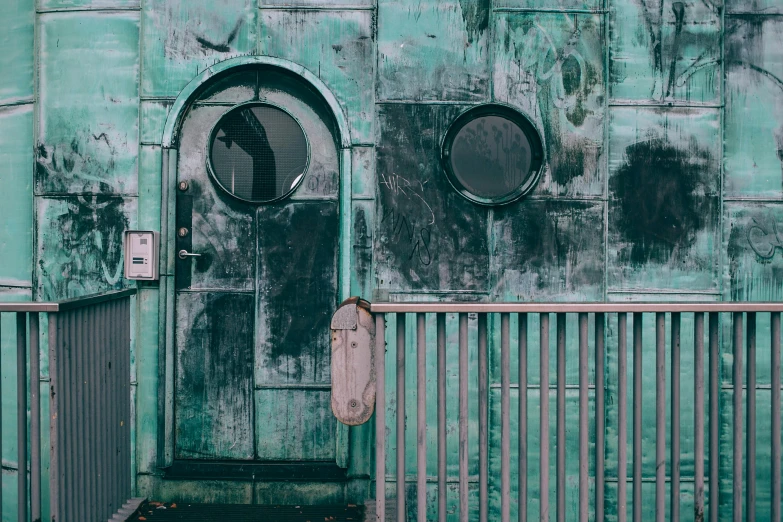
(169, 165)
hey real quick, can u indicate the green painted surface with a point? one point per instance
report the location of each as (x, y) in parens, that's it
(183, 37)
(16, 41)
(335, 45)
(551, 65)
(88, 131)
(679, 198)
(442, 44)
(16, 211)
(665, 51)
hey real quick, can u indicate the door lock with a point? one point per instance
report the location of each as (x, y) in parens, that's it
(184, 254)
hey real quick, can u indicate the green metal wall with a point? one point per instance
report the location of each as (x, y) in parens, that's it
(674, 108)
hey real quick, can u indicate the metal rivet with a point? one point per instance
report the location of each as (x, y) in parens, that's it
(354, 403)
(183, 186)
(353, 344)
(182, 232)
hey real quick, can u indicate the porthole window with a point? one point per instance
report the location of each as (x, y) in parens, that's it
(492, 155)
(258, 153)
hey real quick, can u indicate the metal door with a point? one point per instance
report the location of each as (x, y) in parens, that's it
(252, 310)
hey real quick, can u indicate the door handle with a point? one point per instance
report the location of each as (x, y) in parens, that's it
(184, 254)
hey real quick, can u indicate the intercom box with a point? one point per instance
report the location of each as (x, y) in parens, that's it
(142, 253)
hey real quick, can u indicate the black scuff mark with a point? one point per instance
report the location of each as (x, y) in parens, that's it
(660, 200)
(678, 8)
(475, 15)
(297, 252)
(221, 47)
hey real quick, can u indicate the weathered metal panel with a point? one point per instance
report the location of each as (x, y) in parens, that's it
(664, 190)
(295, 424)
(549, 5)
(362, 279)
(152, 115)
(183, 37)
(337, 45)
(297, 284)
(88, 4)
(551, 65)
(146, 411)
(363, 171)
(548, 250)
(88, 130)
(761, 7)
(427, 236)
(16, 41)
(79, 244)
(214, 402)
(754, 107)
(665, 51)
(16, 210)
(433, 50)
(149, 187)
(753, 268)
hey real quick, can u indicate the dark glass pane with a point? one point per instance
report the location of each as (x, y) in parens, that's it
(258, 153)
(490, 156)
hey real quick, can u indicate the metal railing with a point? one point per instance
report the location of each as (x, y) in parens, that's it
(741, 337)
(89, 406)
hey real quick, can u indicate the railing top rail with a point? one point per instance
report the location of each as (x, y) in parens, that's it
(67, 304)
(500, 307)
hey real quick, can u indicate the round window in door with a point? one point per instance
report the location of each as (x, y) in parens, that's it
(258, 153)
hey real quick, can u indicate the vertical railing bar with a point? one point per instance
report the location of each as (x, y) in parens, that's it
(68, 414)
(522, 355)
(660, 416)
(544, 417)
(421, 417)
(21, 414)
(775, 385)
(584, 502)
(104, 409)
(714, 350)
(675, 433)
(92, 411)
(125, 355)
(737, 424)
(463, 417)
(380, 417)
(750, 420)
(505, 420)
(442, 491)
(114, 312)
(637, 417)
(560, 444)
(698, 414)
(78, 419)
(600, 416)
(35, 418)
(1, 418)
(55, 467)
(112, 412)
(483, 401)
(401, 514)
(622, 417)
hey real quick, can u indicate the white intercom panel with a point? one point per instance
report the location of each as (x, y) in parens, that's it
(141, 249)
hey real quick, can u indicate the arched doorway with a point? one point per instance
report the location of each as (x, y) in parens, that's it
(255, 172)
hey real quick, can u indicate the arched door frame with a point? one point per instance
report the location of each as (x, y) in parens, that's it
(170, 145)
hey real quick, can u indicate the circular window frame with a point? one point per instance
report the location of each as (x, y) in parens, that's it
(528, 129)
(215, 129)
